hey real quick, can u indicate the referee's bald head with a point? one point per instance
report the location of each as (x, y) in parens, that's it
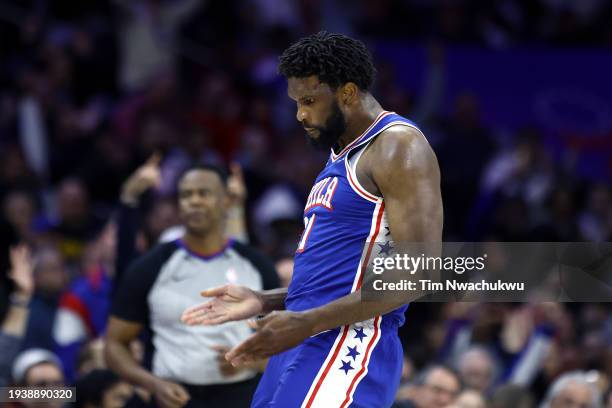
(220, 171)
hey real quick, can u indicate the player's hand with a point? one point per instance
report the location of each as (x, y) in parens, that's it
(276, 332)
(227, 370)
(22, 270)
(229, 303)
(145, 177)
(170, 395)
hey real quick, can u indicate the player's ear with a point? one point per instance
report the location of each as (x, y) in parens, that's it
(348, 93)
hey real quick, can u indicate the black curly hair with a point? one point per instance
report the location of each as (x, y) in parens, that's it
(334, 58)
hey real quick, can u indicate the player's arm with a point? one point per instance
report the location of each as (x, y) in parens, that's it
(233, 302)
(273, 299)
(405, 170)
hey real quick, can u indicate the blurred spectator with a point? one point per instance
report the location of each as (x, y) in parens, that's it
(8, 238)
(91, 357)
(407, 389)
(522, 175)
(595, 222)
(76, 223)
(50, 280)
(148, 39)
(469, 399)
(560, 223)
(477, 369)
(84, 307)
(218, 110)
(465, 133)
(435, 387)
(38, 368)
(14, 170)
(13, 324)
(144, 178)
(102, 389)
(278, 216)
(572, 389)
(511, 396)
(20, 209)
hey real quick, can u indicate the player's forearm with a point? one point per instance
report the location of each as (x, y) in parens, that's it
(346, 310)
(273, 299)
(120, 360)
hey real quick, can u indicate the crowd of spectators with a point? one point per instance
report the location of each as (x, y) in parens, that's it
(89, 91)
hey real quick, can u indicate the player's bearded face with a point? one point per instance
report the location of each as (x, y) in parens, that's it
(330, 132)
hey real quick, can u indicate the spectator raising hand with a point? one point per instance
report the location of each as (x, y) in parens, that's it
(22, 272)
(145, 177)
(236, 186)
(236, 189)
(13, 327)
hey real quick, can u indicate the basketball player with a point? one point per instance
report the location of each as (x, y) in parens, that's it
(330, 348)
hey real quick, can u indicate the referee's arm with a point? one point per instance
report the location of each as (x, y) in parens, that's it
(120, 333)
(129, 314)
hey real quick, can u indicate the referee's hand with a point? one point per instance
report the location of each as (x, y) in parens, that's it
(170, 395)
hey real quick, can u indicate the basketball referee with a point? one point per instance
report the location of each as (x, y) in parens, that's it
(182, 367)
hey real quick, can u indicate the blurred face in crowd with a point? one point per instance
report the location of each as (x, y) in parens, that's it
(73, 203)
(44, 375)
(574, 395)
(318, 111)
(117, 395)
(476, 370)
(469, 399)
(439, 390)
(162, 216)
(19, 210)
(50, 275)
(202, 201)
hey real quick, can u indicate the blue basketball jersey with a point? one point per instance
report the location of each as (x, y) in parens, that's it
(354, 365)
(340, 217)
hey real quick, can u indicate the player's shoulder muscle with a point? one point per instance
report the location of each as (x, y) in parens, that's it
(401, 151)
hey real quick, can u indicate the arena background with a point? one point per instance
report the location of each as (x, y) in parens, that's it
(514, 96)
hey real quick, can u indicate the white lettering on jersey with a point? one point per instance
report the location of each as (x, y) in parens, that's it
(322, 194)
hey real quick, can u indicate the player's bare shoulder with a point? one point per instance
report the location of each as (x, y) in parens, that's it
(402, 151)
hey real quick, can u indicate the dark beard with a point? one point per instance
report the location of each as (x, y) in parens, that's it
(330, 133)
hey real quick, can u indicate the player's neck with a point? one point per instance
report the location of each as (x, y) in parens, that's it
(209, 243)
(361, 119)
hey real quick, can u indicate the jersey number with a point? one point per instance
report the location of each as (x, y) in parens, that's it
(308, 224)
